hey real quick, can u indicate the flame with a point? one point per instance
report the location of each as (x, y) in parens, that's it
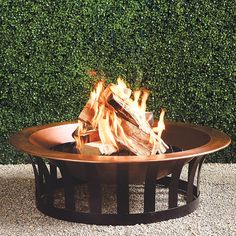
(155, 139)
(121, 90)
(105, 132)
(118, 129)
(160, 125)
(109, 125)
(99, 114)
(136, 94)
(138, 106)
(79, 138)
(96, 103)
(145, 95)
(121, 83)
(96, 93)
(110, 130)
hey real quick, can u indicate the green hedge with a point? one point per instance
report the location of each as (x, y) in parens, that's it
(183, 51)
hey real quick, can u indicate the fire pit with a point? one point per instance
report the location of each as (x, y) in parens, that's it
(117, 142)
(53, 143)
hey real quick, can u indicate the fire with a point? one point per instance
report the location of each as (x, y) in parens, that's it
(159, 129)
(95, 94)
(118, 114)
(160, 125)
(105, 127)
(120, 89)
(140, 106)
(121, 83)
(79, 138)
(144, 100)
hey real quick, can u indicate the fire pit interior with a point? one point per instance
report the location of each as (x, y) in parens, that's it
(116, 142)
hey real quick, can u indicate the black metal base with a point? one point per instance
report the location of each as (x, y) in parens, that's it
(47, 183)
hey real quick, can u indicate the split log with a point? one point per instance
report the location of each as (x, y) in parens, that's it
(150, 118)
(126, 110)
(133, 138)
(90, 136)
(133, 129)
(144, 120)
(97, 148)
(143, 138)
(83, 138)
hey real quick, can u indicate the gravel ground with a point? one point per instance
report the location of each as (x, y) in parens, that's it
(216, 214)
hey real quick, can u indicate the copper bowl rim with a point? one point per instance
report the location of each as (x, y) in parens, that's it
(21, 141)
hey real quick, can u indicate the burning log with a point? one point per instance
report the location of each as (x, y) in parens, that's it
(129, 109)
(132, 142)
(150, 118)
(82, 136)
(120, 121)
(97, 148)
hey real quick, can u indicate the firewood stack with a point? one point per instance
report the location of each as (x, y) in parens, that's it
(115, 119)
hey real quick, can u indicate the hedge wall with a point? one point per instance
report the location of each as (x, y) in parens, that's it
(183, 51)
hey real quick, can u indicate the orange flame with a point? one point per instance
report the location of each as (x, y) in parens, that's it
(79, 138)
(160, 125)
(145, 95)
(155, 139)
(121, 90)
(105, 132)
(109, 125)
(121, 83)
(96, 93)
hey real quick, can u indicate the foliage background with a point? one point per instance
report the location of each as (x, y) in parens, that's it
(183, 51)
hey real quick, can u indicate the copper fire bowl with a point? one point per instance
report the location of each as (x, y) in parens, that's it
(195, 141)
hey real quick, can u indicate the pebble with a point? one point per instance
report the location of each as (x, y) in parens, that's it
(216, 214)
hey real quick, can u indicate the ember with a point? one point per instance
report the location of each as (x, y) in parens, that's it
(118, 116)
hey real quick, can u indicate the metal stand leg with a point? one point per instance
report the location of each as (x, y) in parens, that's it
(47, 182)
